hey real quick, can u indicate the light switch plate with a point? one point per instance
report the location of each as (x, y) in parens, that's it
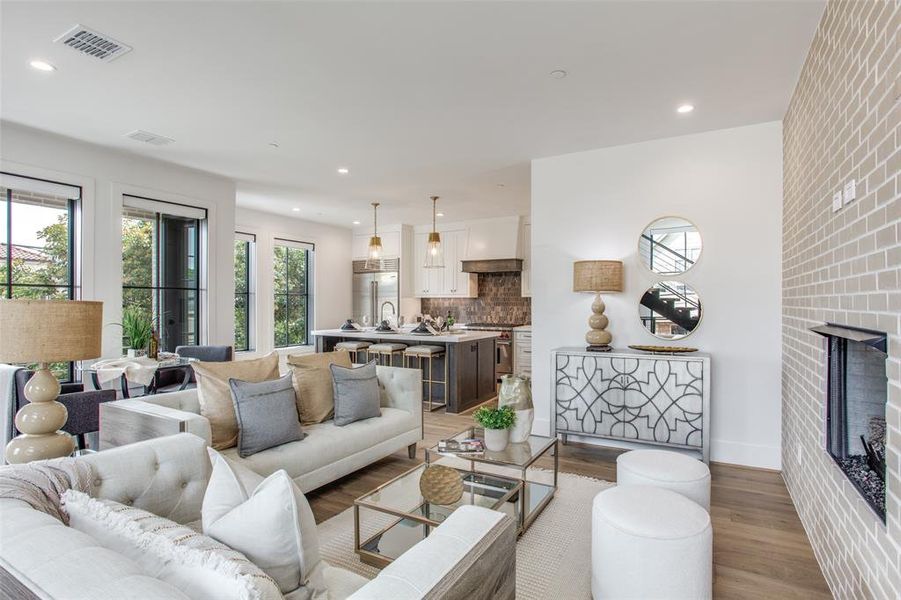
(836, 202)
(850, 191)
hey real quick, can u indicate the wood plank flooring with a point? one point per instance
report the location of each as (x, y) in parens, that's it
(760, 549)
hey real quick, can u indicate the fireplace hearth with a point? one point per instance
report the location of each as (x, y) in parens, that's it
(855, 407)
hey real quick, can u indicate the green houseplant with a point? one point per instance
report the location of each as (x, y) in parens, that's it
(137, 328)
(496, 422)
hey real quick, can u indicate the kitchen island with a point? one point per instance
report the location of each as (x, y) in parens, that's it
(470, 357)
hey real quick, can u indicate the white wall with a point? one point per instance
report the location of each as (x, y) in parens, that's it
(594, 205)
(105, 175)
(332, 269)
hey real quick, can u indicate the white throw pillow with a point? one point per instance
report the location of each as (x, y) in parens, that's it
(199, 566)
(269, 520)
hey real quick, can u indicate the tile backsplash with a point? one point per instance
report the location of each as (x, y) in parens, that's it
(500, 301)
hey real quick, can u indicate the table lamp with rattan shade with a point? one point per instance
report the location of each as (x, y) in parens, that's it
(598, 276)
(44, 332)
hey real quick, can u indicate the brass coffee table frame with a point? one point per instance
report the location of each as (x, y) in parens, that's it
(544, 444)
(381, 561)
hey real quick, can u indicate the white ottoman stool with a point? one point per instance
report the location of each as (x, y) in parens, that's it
(664, 469)
(648, 542)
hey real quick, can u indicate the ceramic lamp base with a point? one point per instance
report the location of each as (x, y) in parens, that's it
(39, 421)
(599, 348)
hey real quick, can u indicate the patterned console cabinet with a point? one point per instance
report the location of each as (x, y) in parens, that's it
(633, 396)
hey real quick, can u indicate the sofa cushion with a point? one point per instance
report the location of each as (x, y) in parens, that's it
(266, 414)
(269, 520)
(313, 384)
(327, 443)
(215, 396)
(197, 565)
(357, 393)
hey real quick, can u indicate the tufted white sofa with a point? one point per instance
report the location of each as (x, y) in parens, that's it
(327, 453)
(471, 555)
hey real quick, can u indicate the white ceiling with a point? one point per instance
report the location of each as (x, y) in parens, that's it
(447, 98)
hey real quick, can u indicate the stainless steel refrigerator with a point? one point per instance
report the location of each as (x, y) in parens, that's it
(376, 291)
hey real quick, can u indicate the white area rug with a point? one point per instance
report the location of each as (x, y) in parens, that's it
(553, 558)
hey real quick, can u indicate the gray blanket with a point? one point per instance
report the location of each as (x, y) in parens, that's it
(41, 484)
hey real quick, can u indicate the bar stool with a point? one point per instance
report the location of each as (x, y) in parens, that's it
(355, 348)
(429, 353)
(389, 349)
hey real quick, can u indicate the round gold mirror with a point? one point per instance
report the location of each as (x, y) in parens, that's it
(670, 245)
(671, 310)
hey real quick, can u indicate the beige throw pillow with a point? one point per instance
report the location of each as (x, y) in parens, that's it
(313, 384)
(215, 395)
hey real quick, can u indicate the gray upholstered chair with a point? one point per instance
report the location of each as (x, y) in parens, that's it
(171, 381)
(83, 406)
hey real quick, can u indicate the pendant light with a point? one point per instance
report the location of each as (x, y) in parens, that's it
(375, 242)
(434, 254)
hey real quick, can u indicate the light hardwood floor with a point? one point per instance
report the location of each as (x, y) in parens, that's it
(760, 549)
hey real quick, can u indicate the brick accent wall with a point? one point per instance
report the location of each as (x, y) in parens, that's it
(500, 301)
(843, 123)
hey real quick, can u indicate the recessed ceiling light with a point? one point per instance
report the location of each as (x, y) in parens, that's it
(343, 170)
(558, 73)
(685, 108)
(42, 65)
(440, 215)
(295, 209)
(273, 144)
(356, 222)
(500, 185)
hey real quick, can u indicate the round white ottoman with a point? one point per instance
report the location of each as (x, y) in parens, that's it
(648, 542)
(664, 469)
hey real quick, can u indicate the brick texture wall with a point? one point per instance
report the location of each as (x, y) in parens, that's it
(843, 123)
(500, 301)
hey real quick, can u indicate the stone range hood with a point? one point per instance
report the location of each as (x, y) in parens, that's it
(495, 265)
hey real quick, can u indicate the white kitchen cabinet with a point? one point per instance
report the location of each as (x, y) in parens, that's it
(451, 281)
(391, 244)
(526, 242)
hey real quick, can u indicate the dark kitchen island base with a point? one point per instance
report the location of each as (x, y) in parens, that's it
(470, 363)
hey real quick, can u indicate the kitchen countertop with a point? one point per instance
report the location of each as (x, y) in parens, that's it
(458, 337)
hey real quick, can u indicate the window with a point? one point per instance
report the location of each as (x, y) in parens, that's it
(37, 243)
(161, 253)
(244, 290)
(292, 263)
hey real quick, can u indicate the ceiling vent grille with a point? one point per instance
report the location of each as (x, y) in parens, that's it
(149, 138)
(93, 43)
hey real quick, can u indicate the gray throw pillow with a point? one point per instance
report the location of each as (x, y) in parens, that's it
(266, 413)
(356, 393)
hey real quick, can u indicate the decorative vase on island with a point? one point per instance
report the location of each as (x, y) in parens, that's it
(516, 392)
(496, 439)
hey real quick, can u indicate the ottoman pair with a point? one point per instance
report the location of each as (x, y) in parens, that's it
(651, 535)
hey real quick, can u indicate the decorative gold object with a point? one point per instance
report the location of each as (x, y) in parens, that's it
(434, 255)
(598, 276)
(375, 242)
(441, 485)
(664, 349)
(46, 331)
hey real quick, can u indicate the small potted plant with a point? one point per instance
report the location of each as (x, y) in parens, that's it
(496, 423)
(137, 328)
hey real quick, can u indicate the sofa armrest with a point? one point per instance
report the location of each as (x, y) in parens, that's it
(128, 421)
(470, 556)
(403, 389)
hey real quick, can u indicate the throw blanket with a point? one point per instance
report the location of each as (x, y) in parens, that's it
(7, 405)
(139, 370)
(41, 484)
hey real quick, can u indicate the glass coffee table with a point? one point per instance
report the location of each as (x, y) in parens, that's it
(405, 517)
(518, 458)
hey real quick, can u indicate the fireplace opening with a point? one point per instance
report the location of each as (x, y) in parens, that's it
(855, 408)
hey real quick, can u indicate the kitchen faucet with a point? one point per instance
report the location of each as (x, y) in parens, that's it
(382, 309)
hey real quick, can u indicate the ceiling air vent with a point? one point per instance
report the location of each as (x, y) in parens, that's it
(93, 43)
(150, 138)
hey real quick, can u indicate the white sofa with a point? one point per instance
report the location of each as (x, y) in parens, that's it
(327, 452)
(471, 555)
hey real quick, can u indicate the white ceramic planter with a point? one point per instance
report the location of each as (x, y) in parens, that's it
(496, 439)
